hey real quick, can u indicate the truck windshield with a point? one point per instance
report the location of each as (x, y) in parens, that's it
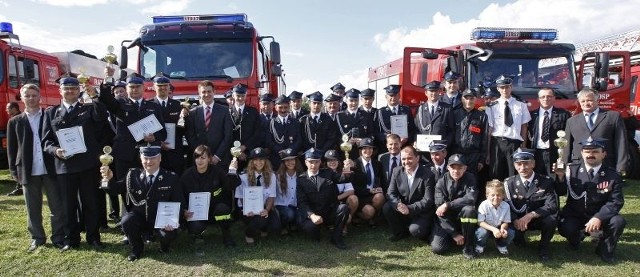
(528, 74)
(198, 60)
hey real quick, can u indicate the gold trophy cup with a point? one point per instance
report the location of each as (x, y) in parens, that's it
(106, 159)
(561, 143)
(110, 58)
(236, 151)
(346, 147)
(185, 105)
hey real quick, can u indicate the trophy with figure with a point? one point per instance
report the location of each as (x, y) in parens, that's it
(106, 159)
(346, 147)
(110, 58)
(561, 143)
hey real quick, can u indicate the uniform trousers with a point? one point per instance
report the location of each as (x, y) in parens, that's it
(33, 200)
(401, 225)
(501, 160)
(256, 224)
(546, 225)
(135, 226)
(464, 220)
(338, 218)
(288, 215)
(220, 214)
(85, 185)
(571, 228)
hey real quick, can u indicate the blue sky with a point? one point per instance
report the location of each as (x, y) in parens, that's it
(322, 42)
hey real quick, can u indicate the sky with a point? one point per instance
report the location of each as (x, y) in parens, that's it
(322, 41)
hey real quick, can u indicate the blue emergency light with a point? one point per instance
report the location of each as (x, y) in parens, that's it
(483, 33)
(215, 18)
(6, 27)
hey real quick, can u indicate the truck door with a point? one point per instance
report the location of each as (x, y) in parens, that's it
(609, 73)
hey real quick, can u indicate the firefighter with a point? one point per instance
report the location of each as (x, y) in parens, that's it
(282, 132)
(172, 148)
(317, 129)
(453, 95)
(353, 122)
(435, 117)
(332, 106)
(382, 119)
(295, 103)
(471, 133)
(368, 96)
(246, 123)
(339, 90)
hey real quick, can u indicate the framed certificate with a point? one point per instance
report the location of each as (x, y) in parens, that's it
(423, 142)
(168, 215)
(71, 140)
(399, 125)
(199, 205)
(252, 200)
(145, 126)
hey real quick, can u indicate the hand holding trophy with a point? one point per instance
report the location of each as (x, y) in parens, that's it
(106, 159)
(186, 105)
(561, 143)
(346, 147)
(236, 151)
(110, 58)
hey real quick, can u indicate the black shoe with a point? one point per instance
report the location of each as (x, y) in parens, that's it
(228, 242)
(66, 248)
(164, 249)
(33, 246)
(58, 245)
(469, 254)
(96, 244)
(15, 192)
(339, 243)
(132, 257)
(397, 237)
(544, 257)
(610, 259)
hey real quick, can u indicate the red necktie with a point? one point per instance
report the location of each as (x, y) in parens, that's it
(207, 118)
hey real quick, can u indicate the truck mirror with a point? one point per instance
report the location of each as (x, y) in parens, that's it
(429, 55)
(123, 75)
(274, 52)
(276, 70)
(602, 63)
(123, 58)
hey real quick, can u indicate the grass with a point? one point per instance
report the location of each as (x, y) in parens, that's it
(370, 253)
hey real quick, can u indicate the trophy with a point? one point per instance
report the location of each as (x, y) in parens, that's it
(236, 151)
(83, 79)
(110, 58)
(185, 105)
(106, 159)
(561, 143)
(346, 146)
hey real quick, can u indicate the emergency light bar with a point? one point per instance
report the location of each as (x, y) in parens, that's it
(484, 33)
(6, 27)
(215, 18)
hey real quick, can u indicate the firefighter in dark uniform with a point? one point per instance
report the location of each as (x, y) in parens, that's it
(368, 96)
(339, 91)
(457, 219)
(353, 122)
(318, 130)
(332, 106)
(437, 161)
(266, 108)
(172, 155)
(452, 95)
(594, 201)
(144, 188)
(382, 119)
(435, 117)
(295, 103)
(246, 123)
(471, 133)
(282, 132)
(533, 202)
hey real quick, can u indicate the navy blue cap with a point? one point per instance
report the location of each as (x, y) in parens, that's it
(258, 153)
(135, 79)
(488, 92)
(315, 97)
(591, 143)
(433, 85)
(228, 94)
(353, 93)
(332, 98)
(150, 151)
(332, 155)
(367, 92)
(239, 89)
(69, 82)
(392, 89)
(366, 142)
(313, 154)
(523, 154)
(469, 92)
(451, 76)
(337, 87)
(504, 81)
(437, 146)
(161, 80)
(119, 84)
(282, 100)
(266, 98)
(295, 95)
(288, 154)
(456, 159)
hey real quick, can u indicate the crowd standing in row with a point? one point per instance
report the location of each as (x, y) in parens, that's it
(435, 194)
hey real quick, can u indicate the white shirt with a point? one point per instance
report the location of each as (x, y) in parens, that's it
(267, 192)
(166, 101)
(530, 179)
(394, 109)
(240, 108)
(155, 175)
(204, 110)
(541, 144)
(288, 198)
(492, 215)
(37, 164)
(495, 117)
(66, 106)
(411, 176)
(595, 169)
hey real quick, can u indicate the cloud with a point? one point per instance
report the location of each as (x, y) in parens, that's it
(167, 7)
(358, 78)
(295, 54)
(4, 3)
(73, 3)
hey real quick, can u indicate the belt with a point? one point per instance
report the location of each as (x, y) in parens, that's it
(507, 139)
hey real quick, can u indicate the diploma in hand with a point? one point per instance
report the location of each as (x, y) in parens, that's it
(199, 205)
(167, 215)
(252, 200)
(399, 125)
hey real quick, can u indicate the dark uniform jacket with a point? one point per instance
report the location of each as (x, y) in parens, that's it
(171, 114)
(604, 198)
(281, 135)
(360, 124)
(382, 124)
(457, 195)
(247, 127)
(471, 132)
(20, 148)
(301, 113)
(540, 197)
(458, 100)
(418, 198)
(321, 135)
(359, 177)
(440, 124)
(214, 180)
(320, 198)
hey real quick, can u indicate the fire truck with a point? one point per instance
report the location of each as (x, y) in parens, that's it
(20, 64)
(225, 49)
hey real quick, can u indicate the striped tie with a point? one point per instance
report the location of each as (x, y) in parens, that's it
(207, 118)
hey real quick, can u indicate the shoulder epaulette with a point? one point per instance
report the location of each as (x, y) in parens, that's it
(492, 103)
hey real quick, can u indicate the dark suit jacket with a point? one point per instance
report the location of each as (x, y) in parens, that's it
(557, 120)
(346, 123)
(320, 199)
(90, 117)
(247, 127)
(419, 199)
(218, 136)
(385, 171)
(20, 148)
(324, 133)
(441, 124)
(359, 178)
(300, 114)
(171, 114)
(610, 126)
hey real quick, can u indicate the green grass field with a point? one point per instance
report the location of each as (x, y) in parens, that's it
(370, 253)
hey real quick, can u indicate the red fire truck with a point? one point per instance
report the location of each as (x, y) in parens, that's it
(225, 49)
(21, 65)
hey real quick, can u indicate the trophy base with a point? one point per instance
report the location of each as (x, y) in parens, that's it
(104, 184)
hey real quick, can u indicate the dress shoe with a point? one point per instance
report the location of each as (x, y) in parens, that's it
(33, 246)
(97, 244)
(397, 237)
(15, 192)
(58, 245)
(544, 257)
(610, 259)
(132, 257)
(66, 248)
(339, 243)
(469, 254)
(228, 242)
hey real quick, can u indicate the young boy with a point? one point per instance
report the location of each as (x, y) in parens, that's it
(494, 217)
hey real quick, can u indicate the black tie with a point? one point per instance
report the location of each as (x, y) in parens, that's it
(508, 118)
(394, 163)
(526, 184)
(164, 104)
(369, 178)
(149, 181)
(314, 179)
(432, 108)
(315, 118)
(591, 173)
(545, 127)
(258, 183)
(439, 171)
(70, 108)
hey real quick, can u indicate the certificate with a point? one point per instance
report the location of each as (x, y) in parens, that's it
(171, 135)
(71, 140)
(252, 200)
(399, 125)
(167, 215)
(145, 126)
(199, 205)
(423, 141)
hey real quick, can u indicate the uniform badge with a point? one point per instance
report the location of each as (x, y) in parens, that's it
(581, 170)
(139, 191)
(160, 178)
(515, 196)
(428, 127)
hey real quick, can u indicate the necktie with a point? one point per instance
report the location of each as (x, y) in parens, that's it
(526, 184)
(508, 118)
(149, 181)
(258, 183)
(207, 117)
(545, 127)
(164, 104)
(431, 108)
(591, 174)
(439, 172)
(239, 112)
(395, 111)
(394, 163)
(590, 121)
(70, 108)
(369, 178)
(315, 118)
(314, 179)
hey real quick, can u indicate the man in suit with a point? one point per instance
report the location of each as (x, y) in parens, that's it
(318, 204)
(210, 124)
(354, 122)
(382, 119)
(266, 108)
(533, 202)
(594, 201)
(598, 123)
(145, 187)
(318, 130)
(246, 123)
(389, 160)
(409, 209)
(453, 95)
(295, 103)
(543, 128)
(172, 148)
(77, 171)
(283, 132)
(435, 117)
(29, 166)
